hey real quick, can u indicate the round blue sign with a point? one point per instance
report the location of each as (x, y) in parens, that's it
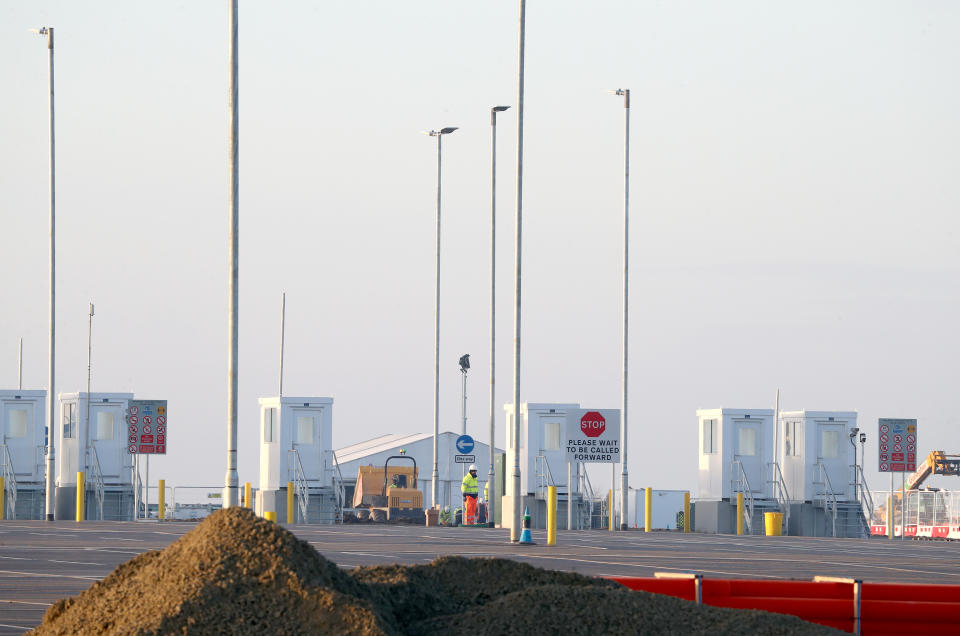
(464, 444)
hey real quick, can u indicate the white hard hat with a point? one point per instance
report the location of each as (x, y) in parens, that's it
(472, 467)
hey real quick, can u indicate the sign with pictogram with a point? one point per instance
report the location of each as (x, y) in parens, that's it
(898, 445)
(593, 435)
(142, 439)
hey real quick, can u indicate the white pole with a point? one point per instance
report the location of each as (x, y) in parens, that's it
(146, 503)
(136, 490)
(464, 402)
(624, 488)
(86, 434)
(231, 493)
(776, 438)
(283, 328)
(50, 498)
(569, 495)
(436, 344)
(517, 511)
(20, 366)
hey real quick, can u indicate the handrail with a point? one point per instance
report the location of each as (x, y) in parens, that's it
(780, 492)
(9, 481)
(828, 493)
(544, 477)
(97, 480)
(741, 484)
(866, 499)
(587, 489)
(300, 485)
(338, 487)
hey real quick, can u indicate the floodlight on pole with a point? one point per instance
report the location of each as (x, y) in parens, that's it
(50, 498)
(435, 476)
(491, 479)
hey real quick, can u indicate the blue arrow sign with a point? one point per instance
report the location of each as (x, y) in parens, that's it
(464, 444)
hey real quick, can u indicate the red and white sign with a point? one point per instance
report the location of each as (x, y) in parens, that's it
(593, 424)
(132, 419)
(897, 454)
(161, 420)
(147, 419)
(140, 420)
(134, 410)
(593, 435)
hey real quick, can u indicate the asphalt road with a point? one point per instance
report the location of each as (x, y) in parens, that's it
(41, 562)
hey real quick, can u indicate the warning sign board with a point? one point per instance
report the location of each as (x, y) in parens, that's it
(593, 435)
(898, 446)
(147, 427)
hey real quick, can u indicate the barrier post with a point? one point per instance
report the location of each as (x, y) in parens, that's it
(739, 513)
(551, 515)
(246, 496)
(890, 517)
(686, 512)
(610, 509)
(290, 503)
(647, 509)
(162, 501)
(270, 515)
(3, 492)
(80, 486)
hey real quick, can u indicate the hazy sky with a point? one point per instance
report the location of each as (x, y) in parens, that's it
(794, 211)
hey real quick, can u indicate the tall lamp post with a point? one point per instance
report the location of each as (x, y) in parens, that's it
(625, 92)
(436, 323)
(856, 477)
(231, 491)
(50, 499)
(491, 480)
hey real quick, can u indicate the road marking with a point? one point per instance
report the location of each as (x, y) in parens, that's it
(5, 600)
(74, 562)
(52, 576)
(15, 558)
(26, 629)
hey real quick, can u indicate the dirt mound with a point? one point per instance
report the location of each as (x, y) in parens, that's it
(562, 609)
(232, 574)
(238, 574)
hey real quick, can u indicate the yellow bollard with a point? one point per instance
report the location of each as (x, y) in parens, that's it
(686, 512)
(890, 516)
(551, 515)
(3, 492)
(290, 503)
(647, 509)
(610, 509)
(739, 513)
(246, 496)
(162, 503)
(80, 486)
(270, 516)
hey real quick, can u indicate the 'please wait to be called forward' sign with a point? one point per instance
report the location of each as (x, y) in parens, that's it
(593, 435)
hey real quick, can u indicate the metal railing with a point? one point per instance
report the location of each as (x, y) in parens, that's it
(588, 500)
(97, 481)
(864, 497)
(338, 489)
(9, 482)
(302, 492)
(780, 493)
(544, 477)
(741, 484)
(826, 497)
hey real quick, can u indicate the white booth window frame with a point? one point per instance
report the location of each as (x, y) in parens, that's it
(791, 438)
(18, 423)
(69, 420)
(305, 429)
(105, 426)
(829, 442)
(270, 425)
(747, 441)
(709, 433)
(552, 434)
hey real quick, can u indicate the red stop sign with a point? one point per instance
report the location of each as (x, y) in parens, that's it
(593, 424)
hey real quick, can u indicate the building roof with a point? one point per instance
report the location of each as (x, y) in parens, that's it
(378, 445)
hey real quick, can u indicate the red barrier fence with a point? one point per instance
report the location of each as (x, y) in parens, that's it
(884, 608)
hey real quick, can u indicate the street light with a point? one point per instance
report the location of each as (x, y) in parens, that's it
(625, 92)
(856, 477)
(436, 322)
(491, 481)
(231, 490)
(464, 367)
(50, 500)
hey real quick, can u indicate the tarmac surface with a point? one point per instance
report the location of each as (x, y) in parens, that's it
(42, 562)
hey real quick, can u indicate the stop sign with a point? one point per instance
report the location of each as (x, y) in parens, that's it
(593, 424)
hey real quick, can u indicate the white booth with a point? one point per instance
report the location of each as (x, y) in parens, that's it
(22, 454)
(296, 445)
(730, 439)
(91, 438)
(815, 454)
(542, 430)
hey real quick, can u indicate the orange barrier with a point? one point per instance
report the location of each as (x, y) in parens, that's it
(885, 608)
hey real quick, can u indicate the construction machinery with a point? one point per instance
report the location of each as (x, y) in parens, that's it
(936, 463)
(389, 493)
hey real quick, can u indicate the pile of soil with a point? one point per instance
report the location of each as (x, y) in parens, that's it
(238, 574)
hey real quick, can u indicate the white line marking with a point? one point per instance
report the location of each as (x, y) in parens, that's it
(5, 600)
(74, 562)
(26, 629)
(53, 576)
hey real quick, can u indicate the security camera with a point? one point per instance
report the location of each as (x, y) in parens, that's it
(863, 438)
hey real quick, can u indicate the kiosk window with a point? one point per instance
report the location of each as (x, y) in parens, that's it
(18, 424)
(710, 437)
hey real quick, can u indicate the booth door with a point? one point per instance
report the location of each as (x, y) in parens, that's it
(105, 436)
(17, 423)
(306, 441)
(747, 440)
(830, 451)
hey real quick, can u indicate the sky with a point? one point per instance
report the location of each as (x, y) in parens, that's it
(793, 212)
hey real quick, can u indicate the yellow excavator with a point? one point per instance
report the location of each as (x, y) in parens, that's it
(389, 494)
(936, 463)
